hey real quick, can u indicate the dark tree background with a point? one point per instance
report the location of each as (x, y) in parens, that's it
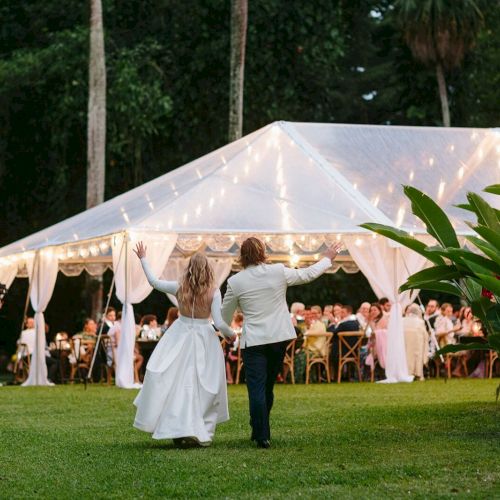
(168, 69)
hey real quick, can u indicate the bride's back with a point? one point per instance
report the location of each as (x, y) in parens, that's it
(196, 288)
(202, 305)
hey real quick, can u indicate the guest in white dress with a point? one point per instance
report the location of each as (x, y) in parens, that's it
(184, 394)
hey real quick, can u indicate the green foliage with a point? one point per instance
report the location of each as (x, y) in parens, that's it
(463, 273)
(344, 440)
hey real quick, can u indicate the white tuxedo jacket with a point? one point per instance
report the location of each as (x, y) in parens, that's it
(260, 292)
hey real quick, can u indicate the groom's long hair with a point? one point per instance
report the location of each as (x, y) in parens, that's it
(252, 252)
(196, 282)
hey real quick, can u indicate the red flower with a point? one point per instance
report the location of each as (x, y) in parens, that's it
(487, 294)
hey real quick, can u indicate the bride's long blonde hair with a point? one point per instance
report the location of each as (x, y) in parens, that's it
(196, 282)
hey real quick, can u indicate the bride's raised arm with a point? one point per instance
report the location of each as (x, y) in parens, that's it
(161, 285)
(220, 324)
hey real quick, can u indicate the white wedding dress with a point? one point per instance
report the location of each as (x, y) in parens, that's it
(184, 393)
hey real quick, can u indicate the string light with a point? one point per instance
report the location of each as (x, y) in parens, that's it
(442, 184)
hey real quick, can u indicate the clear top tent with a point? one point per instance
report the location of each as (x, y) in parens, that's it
(298, 185)
(292, 179)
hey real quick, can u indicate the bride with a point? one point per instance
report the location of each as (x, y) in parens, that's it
(184, 394)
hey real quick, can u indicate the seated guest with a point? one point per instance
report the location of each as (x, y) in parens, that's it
(172, 315)
(385, 303)
(445, 330)
(28, 337)
(327, 314)
(378, 325)
(362, 315)
(431, 312)
(149, 327)
(335, 314)
(312, 342)
(297, 312)
(346, 323)
(466, 321)
(89, 331)
(416, 341)
(108, 320)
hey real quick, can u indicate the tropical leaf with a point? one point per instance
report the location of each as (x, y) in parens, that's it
(436, 221)
(494, 189)
(480, 308)
(403, 238)
(473, 346)
(436, 286)
(492, 237)
(494, 341)
(480, 264)
(470, 208)
(486, 215)
(467, 262)
(436, 273)
(485, 247)
(491, 283)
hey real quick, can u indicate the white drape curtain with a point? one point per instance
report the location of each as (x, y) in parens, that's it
(386, 267)
(42, 269)
(132, 287)
(7, 274)
(175, 267)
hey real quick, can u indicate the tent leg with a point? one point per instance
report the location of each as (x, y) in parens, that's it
(110, 293)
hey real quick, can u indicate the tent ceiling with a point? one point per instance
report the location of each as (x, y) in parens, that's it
(296, 178)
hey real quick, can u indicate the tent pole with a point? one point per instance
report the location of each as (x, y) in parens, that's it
(99, 335)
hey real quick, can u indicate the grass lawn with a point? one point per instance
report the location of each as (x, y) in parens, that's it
(425, 440)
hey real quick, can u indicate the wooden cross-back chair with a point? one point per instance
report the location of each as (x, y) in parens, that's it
(22, 364)
(350, 353)
(319, 358)
(289, 361)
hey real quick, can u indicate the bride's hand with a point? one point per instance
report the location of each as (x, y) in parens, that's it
(140, 250)
(231, 340)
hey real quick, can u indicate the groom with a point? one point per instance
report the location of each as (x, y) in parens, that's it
(259, 290)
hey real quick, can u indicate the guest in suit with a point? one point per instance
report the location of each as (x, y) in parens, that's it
(347, 323)
(259, 290)
(431, 312)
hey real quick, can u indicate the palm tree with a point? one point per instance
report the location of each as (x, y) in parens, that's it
(96, 129)
(439, 33)
(239, 15)
(96, 124)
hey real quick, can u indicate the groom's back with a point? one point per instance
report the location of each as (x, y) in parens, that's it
(261, 293)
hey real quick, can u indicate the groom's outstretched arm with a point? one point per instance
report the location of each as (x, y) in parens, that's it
(229, 305)
(306, 274)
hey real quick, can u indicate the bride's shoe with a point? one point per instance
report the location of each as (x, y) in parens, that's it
(190, 442)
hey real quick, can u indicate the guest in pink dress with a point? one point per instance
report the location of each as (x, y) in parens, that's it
(378, 324)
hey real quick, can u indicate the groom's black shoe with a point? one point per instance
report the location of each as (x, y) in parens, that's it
(263, 443)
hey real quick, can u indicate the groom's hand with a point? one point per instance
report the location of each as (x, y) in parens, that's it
(333, 251)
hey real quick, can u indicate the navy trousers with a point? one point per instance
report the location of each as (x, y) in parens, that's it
(262, 365)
